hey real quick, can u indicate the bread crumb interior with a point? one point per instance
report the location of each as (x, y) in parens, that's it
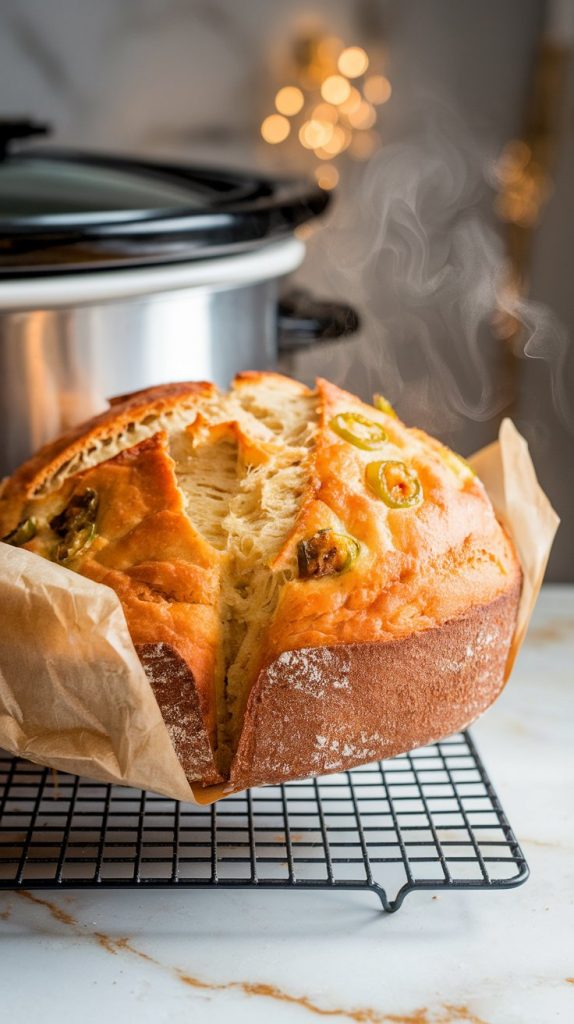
(242, 463)
(243, 495)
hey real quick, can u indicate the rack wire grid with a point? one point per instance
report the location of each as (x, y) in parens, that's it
(427, 820)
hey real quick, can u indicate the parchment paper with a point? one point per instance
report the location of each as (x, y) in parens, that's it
(73, 694)
(521, 505)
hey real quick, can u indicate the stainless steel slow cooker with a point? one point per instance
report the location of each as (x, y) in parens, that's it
(117, 274)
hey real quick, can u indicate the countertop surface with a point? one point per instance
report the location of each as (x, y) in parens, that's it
(476, 957)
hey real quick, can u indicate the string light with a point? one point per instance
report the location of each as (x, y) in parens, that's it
(335, 89)
(352, 103)
(275, 128)
(377, 89)
(332, 108)
(523, 187)
(327, 176)
(353, 62)
(289, 100)
(314, 134)
(512, 161)
(325, 112)
(363, 117)
(339, 141)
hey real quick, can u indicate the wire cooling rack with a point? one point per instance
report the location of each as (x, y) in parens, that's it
(429, 820)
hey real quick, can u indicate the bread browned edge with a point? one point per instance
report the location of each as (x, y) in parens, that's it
(317, 710)
(175, 691)
(124, 409)
(170, 677)
(327, 709)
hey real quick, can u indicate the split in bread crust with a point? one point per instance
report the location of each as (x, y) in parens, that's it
(203, 503)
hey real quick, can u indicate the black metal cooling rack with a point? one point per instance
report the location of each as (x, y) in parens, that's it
(428, 820)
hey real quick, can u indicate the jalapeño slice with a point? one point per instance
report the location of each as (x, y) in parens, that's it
(395, 483)
(76, 526)
(358, 430)
(24, 532)
(383, 405)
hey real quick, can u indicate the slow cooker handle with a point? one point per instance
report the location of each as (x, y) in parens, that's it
(303, 319)
(18, 128)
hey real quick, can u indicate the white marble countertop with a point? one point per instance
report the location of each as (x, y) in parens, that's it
(481, 958)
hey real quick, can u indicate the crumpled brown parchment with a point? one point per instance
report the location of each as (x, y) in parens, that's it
(73, 694)
(522, 507)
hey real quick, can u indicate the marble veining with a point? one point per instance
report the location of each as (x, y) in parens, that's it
(445, 1014)
(468, 958)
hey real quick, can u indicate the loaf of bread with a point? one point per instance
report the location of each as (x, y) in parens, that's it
(309, 584)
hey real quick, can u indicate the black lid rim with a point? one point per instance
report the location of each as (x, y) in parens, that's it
(262, 210)
(150, 260)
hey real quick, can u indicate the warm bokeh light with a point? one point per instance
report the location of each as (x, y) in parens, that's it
(353, 102)
(363, 145)
(327, 176)
(314, 134)
(524, 187)
(336, 144)
(504, 322)
(335, 89)
(377, 89)
(289, 100)
(325, 112)
(330, 106)
(363, 117)
(304, 231)
(353, 62)
(275, 128)
(512, 161)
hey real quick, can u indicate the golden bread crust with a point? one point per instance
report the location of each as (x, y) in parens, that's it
(326, 709)
(124, 410)
(165, 575)
(418, 568)
(203, 502)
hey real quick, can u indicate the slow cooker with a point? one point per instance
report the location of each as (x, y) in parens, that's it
(116, 274)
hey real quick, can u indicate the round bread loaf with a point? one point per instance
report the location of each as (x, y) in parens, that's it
(309, 584)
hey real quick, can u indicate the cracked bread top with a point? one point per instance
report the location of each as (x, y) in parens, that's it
(237, 526)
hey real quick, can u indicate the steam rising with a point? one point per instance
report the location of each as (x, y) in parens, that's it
(418, 252)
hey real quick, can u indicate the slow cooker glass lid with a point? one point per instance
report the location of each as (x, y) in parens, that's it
(46, 187)
(65, 211)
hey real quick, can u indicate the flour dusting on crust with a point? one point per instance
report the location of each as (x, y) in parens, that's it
(328, 709)
(313, 671)
(175, 692)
